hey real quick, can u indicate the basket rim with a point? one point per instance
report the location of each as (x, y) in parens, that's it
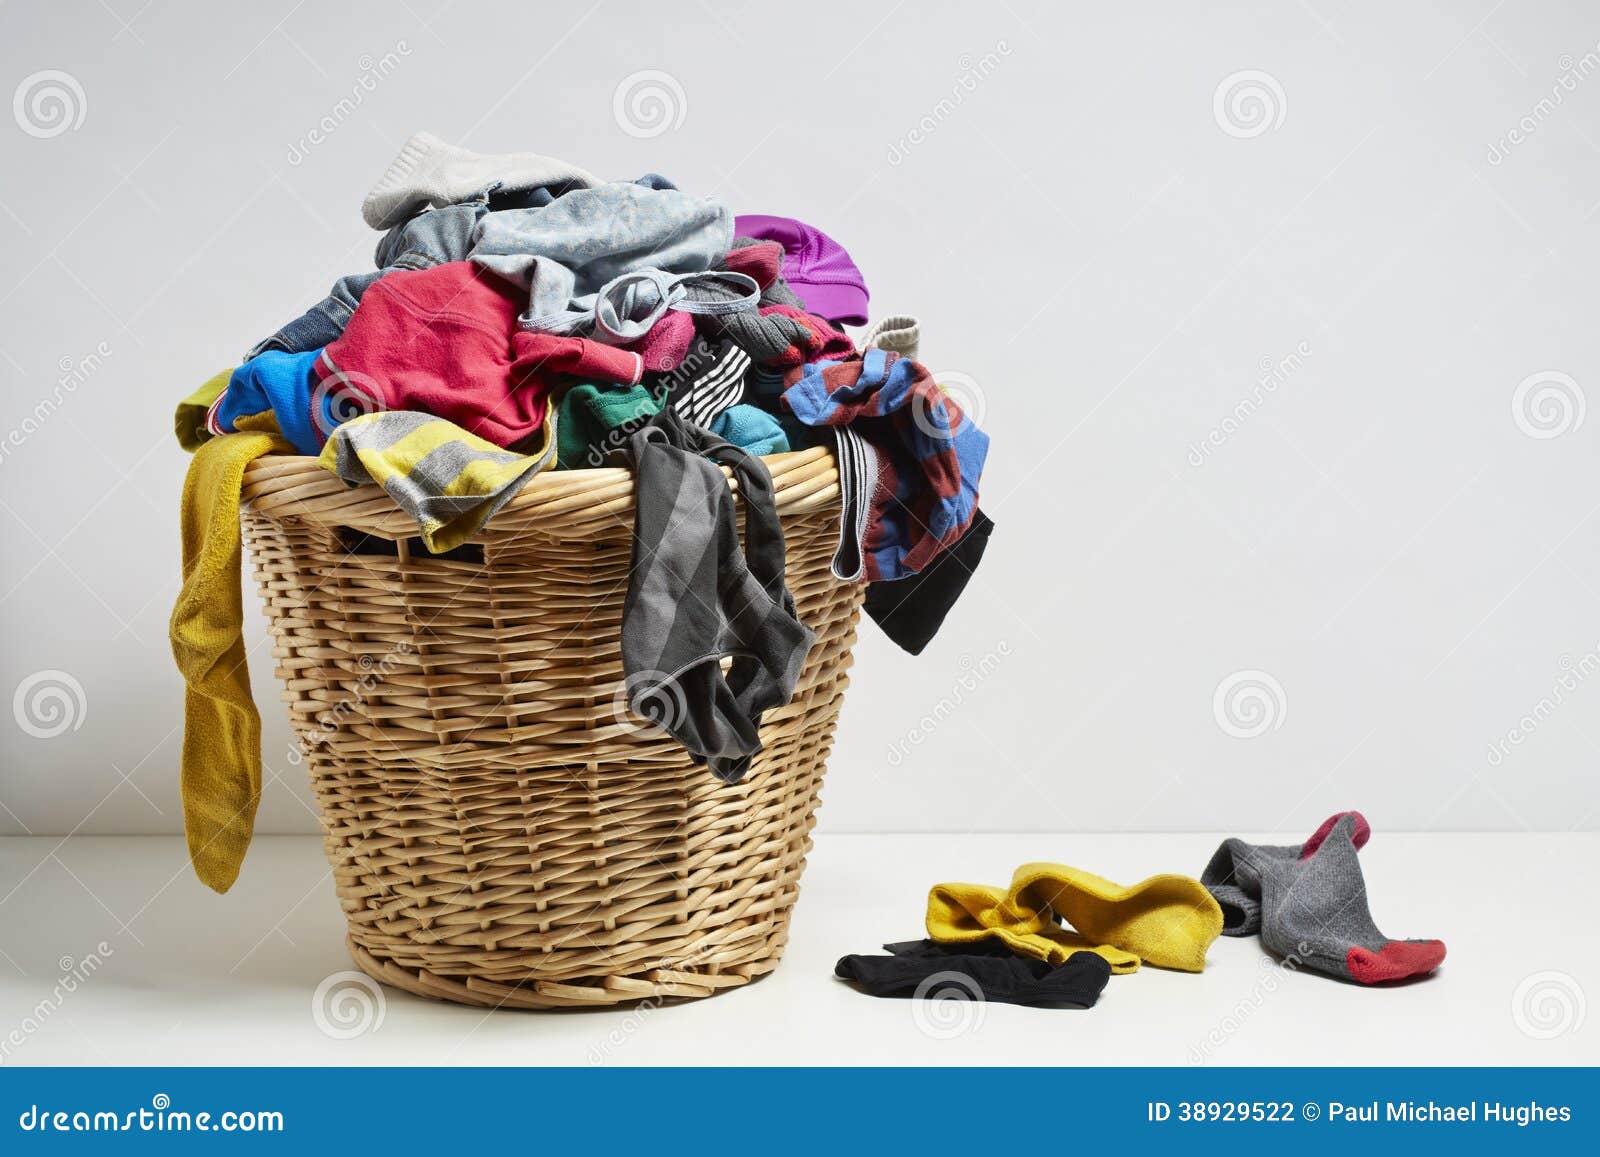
(561, 503)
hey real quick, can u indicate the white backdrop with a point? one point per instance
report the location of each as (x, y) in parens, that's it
(1282, 320)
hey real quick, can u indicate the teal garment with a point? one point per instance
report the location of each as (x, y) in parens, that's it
(595, 420)
(751, 429)
(764, 388)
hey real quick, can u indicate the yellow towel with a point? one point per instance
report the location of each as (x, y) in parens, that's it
(189, 422)
(221, 781)
(1167, 921)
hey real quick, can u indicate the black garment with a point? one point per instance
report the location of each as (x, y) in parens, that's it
(911, 610)
(979, 971)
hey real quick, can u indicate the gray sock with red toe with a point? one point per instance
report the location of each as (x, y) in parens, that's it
(1313, 905)
(1241, 905)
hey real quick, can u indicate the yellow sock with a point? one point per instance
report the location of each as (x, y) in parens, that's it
(221, 779)
(1168, 921)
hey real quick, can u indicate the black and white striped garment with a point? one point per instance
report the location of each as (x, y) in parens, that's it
(858, 479)
(709, 381)
(857, 461)
(695, 597)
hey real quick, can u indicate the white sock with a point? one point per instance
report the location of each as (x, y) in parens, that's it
(430, 171)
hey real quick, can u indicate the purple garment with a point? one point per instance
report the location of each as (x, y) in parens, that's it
(815, 266)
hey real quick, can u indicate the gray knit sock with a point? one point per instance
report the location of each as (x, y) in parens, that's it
(1314, 910)
(764, 336)
(1241, 909)
(1241, 906)
(429, 171)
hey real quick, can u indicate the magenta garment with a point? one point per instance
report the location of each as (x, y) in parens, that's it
(815, 265)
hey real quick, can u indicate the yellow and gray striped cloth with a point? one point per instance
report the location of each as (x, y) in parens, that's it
(450, 481)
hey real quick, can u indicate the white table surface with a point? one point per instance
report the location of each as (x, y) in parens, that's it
(192, 978)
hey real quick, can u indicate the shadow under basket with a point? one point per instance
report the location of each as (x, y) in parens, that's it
(503, 831)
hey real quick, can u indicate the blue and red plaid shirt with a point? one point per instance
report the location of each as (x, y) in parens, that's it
(930, 454)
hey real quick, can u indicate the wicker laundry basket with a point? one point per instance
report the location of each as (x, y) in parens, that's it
(502, 830)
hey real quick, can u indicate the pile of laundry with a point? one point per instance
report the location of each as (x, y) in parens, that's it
(527, 315)
(1056, 936)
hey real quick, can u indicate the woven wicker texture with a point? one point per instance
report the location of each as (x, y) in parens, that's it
(502, 830)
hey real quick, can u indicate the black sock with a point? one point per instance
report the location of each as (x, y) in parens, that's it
(911, 610)
(922, 967)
